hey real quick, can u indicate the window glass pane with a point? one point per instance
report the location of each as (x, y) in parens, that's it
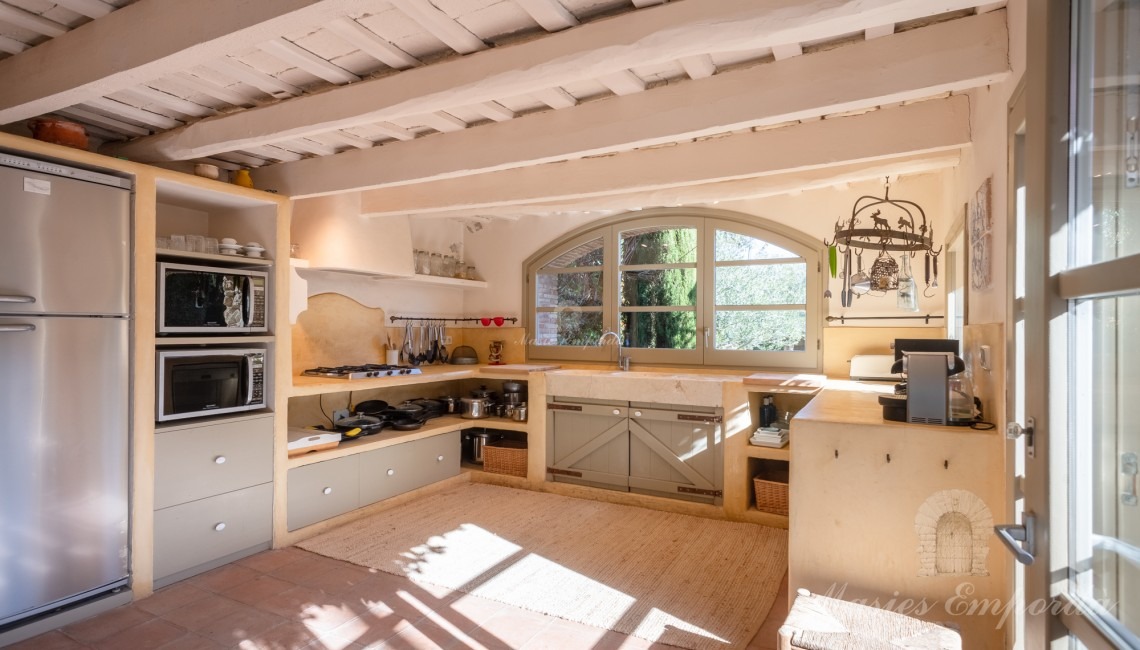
(658, 245)
(1104, 512)
(588, 254)
(762, 284)
(659, 288)
(1107, 220)
(769, 331)
(733, 246)
(569, 289)
(578, 328)
(669, 330)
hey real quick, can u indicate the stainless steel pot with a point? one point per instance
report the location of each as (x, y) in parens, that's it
(519, 414)
(451, 403)
(513, 399)
(474, 408)
(512, 386)
(474, 441)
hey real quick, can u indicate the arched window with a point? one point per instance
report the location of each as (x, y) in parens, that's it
(702, 287)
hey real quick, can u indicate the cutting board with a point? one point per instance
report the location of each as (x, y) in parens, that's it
(779, 382)
(511, 368)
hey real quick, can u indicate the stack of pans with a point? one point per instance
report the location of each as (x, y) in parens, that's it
(373, 416)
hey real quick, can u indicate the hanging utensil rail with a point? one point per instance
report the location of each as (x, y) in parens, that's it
(841, 319)
(434, 319)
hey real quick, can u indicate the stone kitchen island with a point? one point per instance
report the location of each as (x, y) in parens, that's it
(899, 514)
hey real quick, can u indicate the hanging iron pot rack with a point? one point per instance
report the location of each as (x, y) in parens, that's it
(896, 225)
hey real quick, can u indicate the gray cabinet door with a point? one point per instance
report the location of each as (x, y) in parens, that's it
(386, 472)
(198, 462)
(676, 453)
(588, 443)
(200, 531)
(436, 458)
(322, 490)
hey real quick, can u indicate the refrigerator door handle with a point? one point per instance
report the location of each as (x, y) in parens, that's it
(17, 328)
(24, 299)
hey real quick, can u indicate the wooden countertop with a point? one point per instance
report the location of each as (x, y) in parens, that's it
(853, 404)
(303, 385)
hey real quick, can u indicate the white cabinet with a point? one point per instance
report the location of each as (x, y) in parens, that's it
(213, 494)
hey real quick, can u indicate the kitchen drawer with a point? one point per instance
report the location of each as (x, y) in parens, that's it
(386, 472)
(322, 490)
(200, 531)
(194, 463)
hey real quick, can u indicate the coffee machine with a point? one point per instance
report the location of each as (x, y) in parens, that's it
(936, 390)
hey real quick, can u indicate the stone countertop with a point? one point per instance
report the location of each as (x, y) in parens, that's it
(856, 404)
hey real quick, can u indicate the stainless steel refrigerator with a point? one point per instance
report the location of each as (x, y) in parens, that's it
(65, 308)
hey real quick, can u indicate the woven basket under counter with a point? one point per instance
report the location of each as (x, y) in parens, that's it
(505, 457)
(771, 496)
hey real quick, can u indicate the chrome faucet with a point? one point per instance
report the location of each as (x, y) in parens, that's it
(623, 360)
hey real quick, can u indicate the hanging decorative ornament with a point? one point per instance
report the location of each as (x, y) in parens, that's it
(884, 273)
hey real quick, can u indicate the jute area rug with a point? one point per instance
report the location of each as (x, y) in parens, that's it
(677, 579)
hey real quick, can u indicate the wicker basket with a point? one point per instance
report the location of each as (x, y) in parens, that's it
(505, 457)
(771, 496)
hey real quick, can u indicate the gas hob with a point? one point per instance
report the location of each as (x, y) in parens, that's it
(365, 371)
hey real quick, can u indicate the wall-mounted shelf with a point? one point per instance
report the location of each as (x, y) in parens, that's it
(210, 340)
(446, 282)
(232, 260)
(770, 453)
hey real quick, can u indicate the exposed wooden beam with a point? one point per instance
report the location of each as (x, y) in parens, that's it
(91, 117)
(389, 130)
(879, 32)
(30, 21)
(922, 128)
(89, 8)
(443, 122)
(494, 111)
(371, 44)
(146, 93)
(653, 36)
(11, 45)
(623, 82)
(239, 71)
(440, 25)
(290, 52)
(711, 193)
(349, 139)
(549, 13)
(165, 36)
(992, 6)
(786, 51)
(555, 97)
(699, 66)
(647, 3)
(865, 74)
(129, 112)
(207, 87)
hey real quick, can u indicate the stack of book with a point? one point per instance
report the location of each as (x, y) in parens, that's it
(770, 437)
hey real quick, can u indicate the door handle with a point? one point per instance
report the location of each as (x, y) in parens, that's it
(17, 299)
(1019, 539)
(17, 328)
(1129, 467)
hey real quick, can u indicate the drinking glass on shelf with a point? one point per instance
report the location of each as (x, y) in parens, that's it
(460, 270)
(212, 245)
(423, 263)
(178, 242)
(448, 266)
(471, 274)
(196, 243)
(162, 242)
(436, 264)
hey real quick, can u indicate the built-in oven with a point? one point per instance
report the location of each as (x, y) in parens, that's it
(202, 382)
(196, 299)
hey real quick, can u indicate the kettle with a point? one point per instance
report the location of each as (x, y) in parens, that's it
(964, 407)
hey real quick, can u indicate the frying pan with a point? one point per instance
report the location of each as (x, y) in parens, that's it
(373, 407)
(406, 424)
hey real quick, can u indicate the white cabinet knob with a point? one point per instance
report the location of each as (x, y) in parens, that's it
(391, 472)
(327, 490)
(220, 526)
(617, 411)
(220, 459)
(637, 414)
(439, 459)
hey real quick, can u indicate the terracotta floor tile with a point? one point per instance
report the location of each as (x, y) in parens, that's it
(303, 570)
(560, 635)
(258, 590)
(292, 603)
(150, 634)
(104, 625)
(172, 597)
(474, 609)
(286, 636)
(368, 631)
(511, 626)
(425, 636)
(617, 641)
(241, 625)
(54, 640)
(267, 561)
(191, 641)
(203, 611)
(223, 578)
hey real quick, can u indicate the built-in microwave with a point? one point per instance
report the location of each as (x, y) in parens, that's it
(207, 299)
(201, 382)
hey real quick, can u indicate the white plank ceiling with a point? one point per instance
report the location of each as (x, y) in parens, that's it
(325, 96)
